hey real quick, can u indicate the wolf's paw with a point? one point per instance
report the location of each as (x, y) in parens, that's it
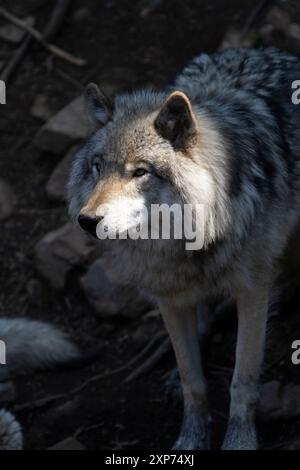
(191, 442)
(240, 436)
(195, 433)
(172, 387)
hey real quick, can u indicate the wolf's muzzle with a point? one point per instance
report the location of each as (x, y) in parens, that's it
(89, 224)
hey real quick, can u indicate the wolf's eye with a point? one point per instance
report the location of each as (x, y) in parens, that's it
(96, 166)
(139, 172)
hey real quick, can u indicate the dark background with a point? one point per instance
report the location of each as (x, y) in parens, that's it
(127, 44)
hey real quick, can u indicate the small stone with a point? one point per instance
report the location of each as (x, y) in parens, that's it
(12, 33)
(278, 18)
(109, 298)
(70, 443)
(294, 445)
(266, 32)
(149, 7)
(60, 251)
(8, 200)
(68, 127)
(294, 31)
(233, 39)
(277, 401)
(40, 109)
(82, 14)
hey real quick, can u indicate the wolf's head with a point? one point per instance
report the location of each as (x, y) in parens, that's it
(143, 150)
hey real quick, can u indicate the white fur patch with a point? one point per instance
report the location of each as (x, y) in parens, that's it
(122, 216)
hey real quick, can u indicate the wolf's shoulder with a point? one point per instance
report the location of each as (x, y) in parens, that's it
(252, 70)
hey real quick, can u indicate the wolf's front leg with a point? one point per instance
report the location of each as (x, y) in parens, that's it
(252, 319)
(181, 323)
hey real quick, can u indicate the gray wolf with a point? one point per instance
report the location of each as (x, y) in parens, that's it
(30, 345)
(225, 135)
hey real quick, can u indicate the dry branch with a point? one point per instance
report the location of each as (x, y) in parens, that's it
(51, 29)
(151, 362)
(58, 52)
(148, 364)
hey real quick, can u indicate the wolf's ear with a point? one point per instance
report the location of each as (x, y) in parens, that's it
(98, 105)
(176, 121)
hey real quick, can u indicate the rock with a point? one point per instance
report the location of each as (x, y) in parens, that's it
(110, 299)
(8, 200)
(60, 251)
(68, 444)
(278, 18)
(11, 33)
(40, 109)
(277, 401)
(266, 31)
(294, 445)
(82, 14)
(232, 38)
(57, 184)
(67, 127)
(149, 7)
(7, 392)
(294, 31)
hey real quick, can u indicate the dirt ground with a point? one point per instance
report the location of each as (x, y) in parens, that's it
(133, 50)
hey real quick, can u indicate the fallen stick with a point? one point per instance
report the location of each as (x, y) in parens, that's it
(160, 352)
(42, 402)
(56, 19)
(50, 31)
(17, 59)
(253, 17)
(132, 361)
(58, 52)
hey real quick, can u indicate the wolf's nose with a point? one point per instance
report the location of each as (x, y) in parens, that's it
(89, 224)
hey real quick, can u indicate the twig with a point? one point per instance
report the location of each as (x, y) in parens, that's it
(58, 52)
(16, 59)
(50, 31)
(133, 361)
(163, 349)
(56, 19)
(86, 429)
(252, 18)
(41, 402)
